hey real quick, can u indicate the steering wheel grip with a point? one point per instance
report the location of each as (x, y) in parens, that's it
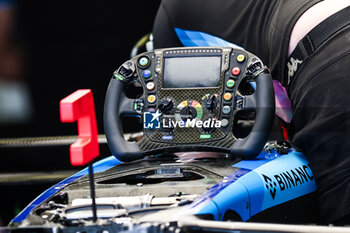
(264, 100)
(125, 151)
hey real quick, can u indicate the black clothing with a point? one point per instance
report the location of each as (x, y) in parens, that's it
(262, 27)
(321, 121)
(319, 91)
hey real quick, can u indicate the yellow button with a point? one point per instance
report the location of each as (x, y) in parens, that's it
(240, 58)
(151, 99)
(227, 96)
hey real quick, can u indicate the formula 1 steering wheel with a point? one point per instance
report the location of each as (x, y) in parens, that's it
(189, 103)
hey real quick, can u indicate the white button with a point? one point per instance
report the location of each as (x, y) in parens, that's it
(150, 86)
(224, 123)
(226, 110)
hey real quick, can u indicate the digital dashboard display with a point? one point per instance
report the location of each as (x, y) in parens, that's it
(192, 72)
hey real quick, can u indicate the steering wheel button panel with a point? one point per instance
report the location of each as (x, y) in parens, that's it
(151, 99)
(227, 96)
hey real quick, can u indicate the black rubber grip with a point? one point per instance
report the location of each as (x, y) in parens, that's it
(123, 150)
(251, 146)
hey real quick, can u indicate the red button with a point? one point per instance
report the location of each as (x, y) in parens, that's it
(236, 71)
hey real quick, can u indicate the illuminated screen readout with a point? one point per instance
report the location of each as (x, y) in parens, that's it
(191, 72)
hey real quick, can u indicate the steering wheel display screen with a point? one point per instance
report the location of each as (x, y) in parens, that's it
(192, 72)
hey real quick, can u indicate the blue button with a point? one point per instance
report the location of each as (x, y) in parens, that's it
(167, 137)
(146, 74)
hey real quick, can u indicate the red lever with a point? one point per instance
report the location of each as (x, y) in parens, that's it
(79, 106)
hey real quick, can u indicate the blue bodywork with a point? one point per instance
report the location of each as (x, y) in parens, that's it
(99, 166)
(195, 39)
(256, 186)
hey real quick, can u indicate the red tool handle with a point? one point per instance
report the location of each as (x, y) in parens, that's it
(79, 106)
